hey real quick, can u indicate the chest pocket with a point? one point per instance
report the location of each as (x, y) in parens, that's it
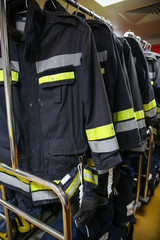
(53, 80)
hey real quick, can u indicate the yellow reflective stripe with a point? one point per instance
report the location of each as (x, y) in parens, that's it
(123, 115)
(102, 70)
(57, 181)
(90, 177)
(139, 114)
(38, 187)
(154, 131)
(12, 174)
(158, 110)
(71, 185)
(102, 132)
(56, 77)
(90, 162)
(149, 106)
(152, 82)
(14, 76)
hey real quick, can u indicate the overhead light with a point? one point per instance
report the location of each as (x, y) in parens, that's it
(105, 3)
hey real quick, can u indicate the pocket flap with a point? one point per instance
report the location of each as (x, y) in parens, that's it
(57, 77)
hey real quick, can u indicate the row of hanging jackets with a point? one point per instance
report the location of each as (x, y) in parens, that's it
(75, 86)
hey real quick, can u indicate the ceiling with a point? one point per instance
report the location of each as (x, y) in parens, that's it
(139, 16)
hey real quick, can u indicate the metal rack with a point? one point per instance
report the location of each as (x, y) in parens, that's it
(14, 158)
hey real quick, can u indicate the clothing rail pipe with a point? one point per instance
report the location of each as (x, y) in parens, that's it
(54, 187)
(86, 10)
(7, 85)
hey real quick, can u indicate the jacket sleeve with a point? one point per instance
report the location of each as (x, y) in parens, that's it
(147, 93)
(98, 121)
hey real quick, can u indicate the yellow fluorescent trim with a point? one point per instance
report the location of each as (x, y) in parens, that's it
(90, 162)
(102, 70)
(92, 179)
(152, 82)
(139, 114)
(100, 132)
(12, 174)
(14, 76)
(56, 77)
(158, 110)
(38, 187)
(123, 115)
(73, 182)
(149, 106)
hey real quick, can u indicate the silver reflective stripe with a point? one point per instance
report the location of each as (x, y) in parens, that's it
(151, 113)
(43, 195)
(15, 182)
(102, 56)
(20, 26)
(104, 145)
(59, 61)
(126, 126)
(152, 75)
(13, 64)
(158, 115)
(93, 178)
(104, 237)
(74, 187)
(141, 123)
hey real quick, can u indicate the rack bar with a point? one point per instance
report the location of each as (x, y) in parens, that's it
(139, 178)
(87, 11)
(54, 187)
(7, 85)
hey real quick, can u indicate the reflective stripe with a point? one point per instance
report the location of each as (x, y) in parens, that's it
(152, 75)
(149, 106)
(14, 65)
(43, 195)
(14, 76)
(90, 162)
(158, 110)
(37, 187)
(126, 126)
(123, 115)
(102, 132)
(89, 177)
(139, 114)
(12, 174)
(14, 182)
(73, 186)
(154, 131)
(151, 113)
(20, 26)
(152, 82)
(102, 70)
(102, 56)
(141, 123)
(59, 61)
(104, 146)
(158, 115)
(56, 77)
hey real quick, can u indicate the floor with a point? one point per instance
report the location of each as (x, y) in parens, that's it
(147, 225)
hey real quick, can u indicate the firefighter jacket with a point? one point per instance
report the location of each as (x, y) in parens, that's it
(116, 85)
(63, 100)
(135, 91)
(147, 93)
(153, 61)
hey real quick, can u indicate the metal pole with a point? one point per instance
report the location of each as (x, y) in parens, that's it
(149, 160)
(139, 177)
(6, 212)
(7, 84)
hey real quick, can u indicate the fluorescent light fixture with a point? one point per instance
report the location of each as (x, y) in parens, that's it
(105, 3)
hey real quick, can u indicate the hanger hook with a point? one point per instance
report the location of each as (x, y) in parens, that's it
(26, 3)
(78, 5)
(53, 4)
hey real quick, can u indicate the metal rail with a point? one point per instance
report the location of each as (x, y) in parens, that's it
(13, 148)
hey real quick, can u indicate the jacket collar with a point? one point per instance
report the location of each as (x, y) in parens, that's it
(35, 22)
